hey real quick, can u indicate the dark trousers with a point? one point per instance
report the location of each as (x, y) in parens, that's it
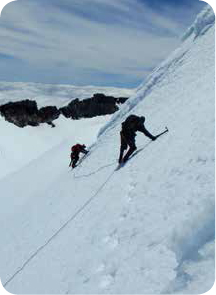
(127, 140)
(74, 159)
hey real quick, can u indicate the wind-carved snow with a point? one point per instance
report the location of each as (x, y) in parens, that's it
(203, 22)
(147, 228)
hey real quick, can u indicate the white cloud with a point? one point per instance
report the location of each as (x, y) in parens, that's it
(83, 36)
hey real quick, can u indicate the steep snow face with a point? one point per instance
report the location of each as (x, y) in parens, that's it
(56, 95)
(204, 21)
(145, 228)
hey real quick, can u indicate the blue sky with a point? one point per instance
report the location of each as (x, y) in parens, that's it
(90, 42)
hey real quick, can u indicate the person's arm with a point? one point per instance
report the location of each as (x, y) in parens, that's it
(146, 132)
(84, 151)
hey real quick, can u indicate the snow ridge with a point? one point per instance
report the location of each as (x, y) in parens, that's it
(204, 21)
(155, 79)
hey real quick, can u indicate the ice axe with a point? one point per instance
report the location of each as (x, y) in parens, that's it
(166, 130)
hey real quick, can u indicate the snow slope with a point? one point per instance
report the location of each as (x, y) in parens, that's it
(146, 228)
(20, 146)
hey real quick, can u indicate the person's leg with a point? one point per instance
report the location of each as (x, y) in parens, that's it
(123, 146)
(75, 160)
(132, 148)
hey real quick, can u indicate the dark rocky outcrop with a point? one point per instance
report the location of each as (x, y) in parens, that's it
(26, 112)
(98, 105)
(48, 114)
(20, 113)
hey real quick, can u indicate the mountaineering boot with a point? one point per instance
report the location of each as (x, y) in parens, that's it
(129, 153)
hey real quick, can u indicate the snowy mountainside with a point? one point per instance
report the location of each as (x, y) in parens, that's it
(54, 94)
(147, 228)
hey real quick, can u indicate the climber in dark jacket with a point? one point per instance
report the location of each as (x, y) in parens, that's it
(75, 151)
(130, 126)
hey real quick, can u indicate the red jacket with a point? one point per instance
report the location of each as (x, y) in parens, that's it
(78, 148)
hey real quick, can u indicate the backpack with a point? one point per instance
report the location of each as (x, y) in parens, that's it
(77, 148)
(131, 122)
(74, 148)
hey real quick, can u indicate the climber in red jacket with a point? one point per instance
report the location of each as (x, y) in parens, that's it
(75, 151)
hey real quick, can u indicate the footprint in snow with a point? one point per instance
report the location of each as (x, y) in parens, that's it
(130, 194)
(113, 243)
(112, 240)
(132, 185)
(106, 281)
(124, 214)
(100, 268)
